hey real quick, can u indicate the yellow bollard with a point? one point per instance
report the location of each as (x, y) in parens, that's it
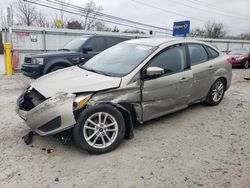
(8, 59)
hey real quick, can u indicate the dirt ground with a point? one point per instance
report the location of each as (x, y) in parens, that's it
(198, 147)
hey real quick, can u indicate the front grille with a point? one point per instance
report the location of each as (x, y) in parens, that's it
(30, 99)
(27, 60)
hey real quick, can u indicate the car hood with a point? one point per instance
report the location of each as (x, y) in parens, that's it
(74, 80)
(53, 54)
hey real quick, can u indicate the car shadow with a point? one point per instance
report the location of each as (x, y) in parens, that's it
(170, 116)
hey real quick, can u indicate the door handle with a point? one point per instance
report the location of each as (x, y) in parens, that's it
(184, 79)
(211, 67)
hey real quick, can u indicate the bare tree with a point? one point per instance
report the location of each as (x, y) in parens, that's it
(25, 12)
(215, 30)
(100, 26)
(135, 31)
(90, 13)
(245, 36)
(197, 32)
(211, 29)
(41, 20)
(74, 25)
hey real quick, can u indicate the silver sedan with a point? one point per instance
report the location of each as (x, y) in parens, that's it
(100, 101)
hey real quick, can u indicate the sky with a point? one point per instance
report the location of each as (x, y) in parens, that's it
(234, 14)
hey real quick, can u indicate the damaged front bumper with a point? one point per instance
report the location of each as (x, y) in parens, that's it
(51, 116)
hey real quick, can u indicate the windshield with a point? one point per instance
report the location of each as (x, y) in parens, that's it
(75, 44)
(119, 60)
(239, 52)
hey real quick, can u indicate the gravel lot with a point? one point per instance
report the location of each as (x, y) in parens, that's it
(198, 147)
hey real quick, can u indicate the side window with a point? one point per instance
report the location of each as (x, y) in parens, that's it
(97, 43)
(111, 41)
(171, 60)
(213, 53)
(197, 53)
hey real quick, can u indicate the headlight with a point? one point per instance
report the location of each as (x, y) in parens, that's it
(38, 61)
(80, 101)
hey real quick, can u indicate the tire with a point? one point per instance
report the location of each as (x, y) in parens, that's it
(95, 137)
(56, 68)
(218, 89)
(246, 64)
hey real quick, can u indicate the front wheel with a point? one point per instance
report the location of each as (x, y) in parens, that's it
(246, 64)
(56, 68)
(216, 92)
(99, 129)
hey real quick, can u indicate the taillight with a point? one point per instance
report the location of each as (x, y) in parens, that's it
(230, 60)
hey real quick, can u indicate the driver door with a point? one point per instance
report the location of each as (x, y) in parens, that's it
(171, 91)
(97, 43)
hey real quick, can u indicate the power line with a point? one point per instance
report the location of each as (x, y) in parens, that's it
(165, 10)
(212, 11)
(106, 15)
(168, 11)
(100, 19)
(219, 8)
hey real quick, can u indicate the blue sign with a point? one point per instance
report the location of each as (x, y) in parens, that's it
(181, 28)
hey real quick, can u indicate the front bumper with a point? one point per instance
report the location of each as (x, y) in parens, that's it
(52, 116)
(32, 70)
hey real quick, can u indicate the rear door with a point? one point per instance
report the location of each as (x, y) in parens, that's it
(171, 91)
(203, 68)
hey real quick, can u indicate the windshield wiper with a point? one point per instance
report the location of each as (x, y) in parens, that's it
(95, 71)
(64, 49)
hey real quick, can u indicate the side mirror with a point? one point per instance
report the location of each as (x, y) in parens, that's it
(87, 48)
(154, 72)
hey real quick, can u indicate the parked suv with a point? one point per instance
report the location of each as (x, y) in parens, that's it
(76, 51)
(132, 82)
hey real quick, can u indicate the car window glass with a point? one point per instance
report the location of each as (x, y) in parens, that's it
(197, 53)
(97, 44)
(172, 60)
(212, 52)
(75, 44)
(111, 41)
(119, 60)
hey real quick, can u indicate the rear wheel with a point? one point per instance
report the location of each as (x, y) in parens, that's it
(216, 92)
(99, 129)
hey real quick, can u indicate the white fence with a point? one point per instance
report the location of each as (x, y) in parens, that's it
(26, 39)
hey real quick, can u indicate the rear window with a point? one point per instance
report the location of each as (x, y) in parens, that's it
(213, 53)
(111, 41)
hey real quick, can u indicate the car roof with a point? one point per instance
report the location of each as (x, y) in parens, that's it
(114, 36)
(150, 41)
(160, 41)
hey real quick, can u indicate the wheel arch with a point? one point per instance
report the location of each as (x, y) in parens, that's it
(52, 64)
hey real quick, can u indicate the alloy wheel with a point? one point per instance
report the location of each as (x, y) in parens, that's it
(100, 130)
(218, 91)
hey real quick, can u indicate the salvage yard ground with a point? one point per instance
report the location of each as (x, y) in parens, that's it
(198, 147)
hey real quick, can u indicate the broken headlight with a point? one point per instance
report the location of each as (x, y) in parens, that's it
(80, 101)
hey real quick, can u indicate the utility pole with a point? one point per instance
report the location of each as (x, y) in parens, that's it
(8, 17)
